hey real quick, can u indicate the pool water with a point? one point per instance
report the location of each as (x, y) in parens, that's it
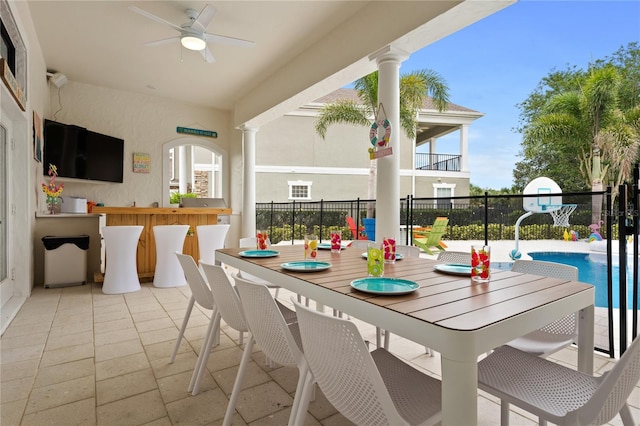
(592, 268)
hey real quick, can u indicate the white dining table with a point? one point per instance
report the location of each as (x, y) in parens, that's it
(448, 313)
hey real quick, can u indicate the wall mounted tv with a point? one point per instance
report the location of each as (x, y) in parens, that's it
(82, 154)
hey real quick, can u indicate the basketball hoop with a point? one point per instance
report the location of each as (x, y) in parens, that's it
(561, 215)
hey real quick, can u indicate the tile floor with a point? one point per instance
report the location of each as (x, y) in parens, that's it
(75, 356)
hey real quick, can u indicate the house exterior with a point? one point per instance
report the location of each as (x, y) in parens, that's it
(294, 163)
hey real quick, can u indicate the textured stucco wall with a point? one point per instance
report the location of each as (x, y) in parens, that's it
(145, 123)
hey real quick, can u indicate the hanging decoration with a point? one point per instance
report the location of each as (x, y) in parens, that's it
(52, 190)
(379, 135)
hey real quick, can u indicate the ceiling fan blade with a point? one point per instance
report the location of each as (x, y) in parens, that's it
(207, 55)
(204, 18)
(154, 17)
(163, 41)
(220, 39)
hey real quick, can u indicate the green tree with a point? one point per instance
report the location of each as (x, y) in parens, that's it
(475, 190)
(414, 88)
(575, 115)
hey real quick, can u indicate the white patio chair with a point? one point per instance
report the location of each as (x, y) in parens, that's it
(408, 251)
(202, 294)
(250, 242)
(560, 333)
(556, 393)
(279, 341)
(360, 244)
(458, 257)
(366, 388)
(228, 303)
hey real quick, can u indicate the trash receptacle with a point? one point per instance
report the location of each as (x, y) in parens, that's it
(65, 260)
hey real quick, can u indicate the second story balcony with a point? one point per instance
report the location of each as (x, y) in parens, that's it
(442, 162)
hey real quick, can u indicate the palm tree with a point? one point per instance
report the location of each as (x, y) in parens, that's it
(414, 88)
(589, 121)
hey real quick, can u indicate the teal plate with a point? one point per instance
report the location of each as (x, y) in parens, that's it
(259, 253)
(384, 285)
(398, 256)
(306, 266)
(327, 246)
(453, 269)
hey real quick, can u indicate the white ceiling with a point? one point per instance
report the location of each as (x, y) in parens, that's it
(303, 49)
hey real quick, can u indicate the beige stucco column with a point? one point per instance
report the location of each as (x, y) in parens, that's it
(464, 148)
(388, 178)
(248, 181)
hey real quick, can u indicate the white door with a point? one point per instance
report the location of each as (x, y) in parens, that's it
(6, 284)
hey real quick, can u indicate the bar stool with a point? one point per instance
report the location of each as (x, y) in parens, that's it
(121, 271)
(169, 240)
(210, 239)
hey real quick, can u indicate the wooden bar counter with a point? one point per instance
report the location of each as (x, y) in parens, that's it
(150, 217)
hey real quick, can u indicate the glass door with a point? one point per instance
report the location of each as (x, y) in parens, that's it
(6, 285)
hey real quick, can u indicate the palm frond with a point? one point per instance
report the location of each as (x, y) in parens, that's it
(343, 111)
(367, 89)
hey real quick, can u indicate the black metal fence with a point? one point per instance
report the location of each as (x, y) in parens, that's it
(481, 217)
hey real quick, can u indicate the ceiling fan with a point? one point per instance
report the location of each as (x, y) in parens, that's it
(193, 35)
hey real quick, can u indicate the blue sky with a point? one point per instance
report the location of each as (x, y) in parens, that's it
(494, 64)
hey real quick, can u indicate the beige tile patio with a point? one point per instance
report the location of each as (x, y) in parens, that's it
(135, 410)
(131, 382)
(124, 386)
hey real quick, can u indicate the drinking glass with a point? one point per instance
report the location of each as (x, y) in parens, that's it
(389, 248)
(480, 263)
(375, 260)
(310, 247)
(336, 241)
(261, 239)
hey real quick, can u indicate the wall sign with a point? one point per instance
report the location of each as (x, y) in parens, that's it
(141, 162)
(197, 132)
(12, 84)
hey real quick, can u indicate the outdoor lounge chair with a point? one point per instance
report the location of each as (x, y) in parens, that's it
(357, 233)
(430, 240)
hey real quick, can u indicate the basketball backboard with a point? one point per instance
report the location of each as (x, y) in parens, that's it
(546, 199)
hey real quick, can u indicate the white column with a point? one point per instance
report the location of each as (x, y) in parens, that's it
(464, 148)
(433, 150)
(248, 181)
(182, 177)
(388, 178)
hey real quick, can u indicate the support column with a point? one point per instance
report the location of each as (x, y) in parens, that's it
(464, 148)
(248, 181)
(182, 160)
(388, 178)
(433, 151)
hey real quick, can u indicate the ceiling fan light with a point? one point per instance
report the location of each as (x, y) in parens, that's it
(193, 42)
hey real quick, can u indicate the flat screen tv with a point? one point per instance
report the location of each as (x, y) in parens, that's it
(79, 153)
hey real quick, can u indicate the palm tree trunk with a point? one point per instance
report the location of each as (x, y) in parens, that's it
(596, 186)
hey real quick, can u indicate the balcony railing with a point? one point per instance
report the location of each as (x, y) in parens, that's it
(442, 162)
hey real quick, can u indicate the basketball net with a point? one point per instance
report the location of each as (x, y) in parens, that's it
(561, 215)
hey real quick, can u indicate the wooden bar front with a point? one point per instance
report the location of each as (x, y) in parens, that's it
(150, 217)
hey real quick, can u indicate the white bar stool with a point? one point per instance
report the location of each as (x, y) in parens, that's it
(121, 271)
(210, 239)
(169, 240)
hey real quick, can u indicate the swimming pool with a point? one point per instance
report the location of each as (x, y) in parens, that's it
(592, 268)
